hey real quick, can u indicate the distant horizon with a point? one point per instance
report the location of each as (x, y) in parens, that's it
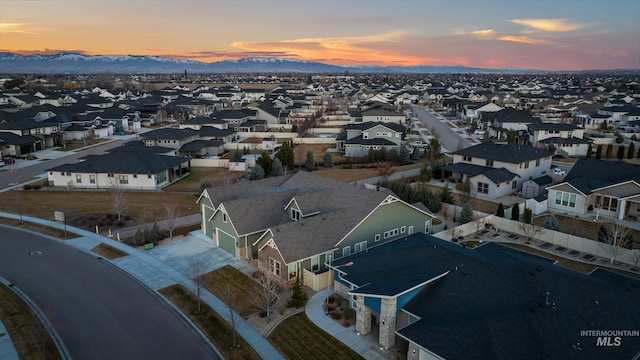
(346, 66)
(547, 35)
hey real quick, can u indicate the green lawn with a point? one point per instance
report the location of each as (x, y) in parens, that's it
(299, 338)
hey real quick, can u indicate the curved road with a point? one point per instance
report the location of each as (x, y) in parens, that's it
(449, 139)
(99, 312)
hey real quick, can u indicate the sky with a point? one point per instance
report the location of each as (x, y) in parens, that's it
(494, 34)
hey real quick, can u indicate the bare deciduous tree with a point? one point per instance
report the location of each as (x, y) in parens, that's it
(265, 295)
(119, 196)
(170, 205)
(530, 231)
(228, 295)
(615, 237)
(196, 271)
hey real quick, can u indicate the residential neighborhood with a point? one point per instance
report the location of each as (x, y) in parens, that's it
(429, 215)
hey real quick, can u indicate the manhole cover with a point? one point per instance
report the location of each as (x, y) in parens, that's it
(35, 253)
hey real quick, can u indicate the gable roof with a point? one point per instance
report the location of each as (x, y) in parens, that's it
(169, 133)
(332, 209)
(510, 153)
(589, 174)
(497, 176)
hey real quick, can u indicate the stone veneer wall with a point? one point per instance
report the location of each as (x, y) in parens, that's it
(388, 323)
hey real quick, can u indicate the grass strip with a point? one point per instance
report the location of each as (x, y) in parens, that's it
(211, 324)
(108, 251)
(30, 338)
(299, 338)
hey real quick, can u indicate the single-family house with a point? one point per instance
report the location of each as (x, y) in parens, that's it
(298, 223)
(125, 170)
(496, 170)
(383, 115)
(169, 137)
(358, 139)
(608, 188)
(567, 139)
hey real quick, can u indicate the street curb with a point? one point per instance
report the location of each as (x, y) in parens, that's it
(62, 349)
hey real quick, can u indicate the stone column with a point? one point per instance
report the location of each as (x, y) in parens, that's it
(363, 317)
(388, 323)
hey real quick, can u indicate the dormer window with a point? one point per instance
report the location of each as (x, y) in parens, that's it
(467, 158)
(296, 215)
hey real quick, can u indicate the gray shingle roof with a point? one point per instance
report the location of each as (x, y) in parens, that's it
(169, 133)
(497, 176)
(589, 174)
(121, 163)
(511, 153)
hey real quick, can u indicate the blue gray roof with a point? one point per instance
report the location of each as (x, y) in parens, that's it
(497, 176)
(510, 153)
(589, 174)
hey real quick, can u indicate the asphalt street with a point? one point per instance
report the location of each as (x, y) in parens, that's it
(449, 139)
(98, 311)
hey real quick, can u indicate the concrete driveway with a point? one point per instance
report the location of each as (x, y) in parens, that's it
(98, 311)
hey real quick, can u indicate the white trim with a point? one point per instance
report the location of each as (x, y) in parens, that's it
(403, 292)
(565, 183)
(617, 184)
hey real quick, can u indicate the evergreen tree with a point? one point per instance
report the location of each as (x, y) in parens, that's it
(608, 152)
(285, 154)
(446, 196)
(265, 162)
(599, 151)
(631, 151)
(310, 162)
(276, 167)
(298, 297)
(237, 154)
(327, 160)
(432, 201)
(527, 215)
(620, 154)
(466, 214)
(551, 223)
(257, 173)
(515, 212)
(500, 211)
(403, 156)
(589, 151)
(416, 153)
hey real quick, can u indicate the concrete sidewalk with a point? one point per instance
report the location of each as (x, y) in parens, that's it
(366, 346)
(155, 274)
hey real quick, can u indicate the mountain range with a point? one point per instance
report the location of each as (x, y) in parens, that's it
(74, 63)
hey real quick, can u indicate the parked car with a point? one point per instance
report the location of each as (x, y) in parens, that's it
(558, 171)
(2, 163)
(120, 133)
(479, 132)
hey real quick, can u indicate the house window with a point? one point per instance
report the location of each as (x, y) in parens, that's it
(377, 237)
(526, 165)
(92, 179)
(135, 176)
(514, 184)
(537, 162)
(274, 266)
(467, 158)
(391, 233)
(109, 175)
(78, 179)
(346, 250)
(565, 199)
(293, 271)
(123, 179)
(410, 229)
(489, 163)
(148, 176)
(427, 227)
(315, 263)
(224, 217)
(607, 203)
(361, 246)
(295, 214)
(403, 230)
(483, 188)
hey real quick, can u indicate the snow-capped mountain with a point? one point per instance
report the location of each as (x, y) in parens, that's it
(65, 62)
